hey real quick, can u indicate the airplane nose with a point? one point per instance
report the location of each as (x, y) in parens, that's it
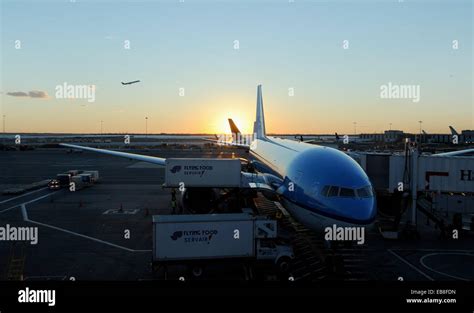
(355, 210)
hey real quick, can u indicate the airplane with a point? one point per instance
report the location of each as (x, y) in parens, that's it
(234, 129)
(453, 131)
(333, 139)
(319, 186)
(129, 83)
(465, 152)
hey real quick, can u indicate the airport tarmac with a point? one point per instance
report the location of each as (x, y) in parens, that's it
(83, 235)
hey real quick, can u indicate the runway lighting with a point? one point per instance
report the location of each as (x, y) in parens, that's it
(146, 126)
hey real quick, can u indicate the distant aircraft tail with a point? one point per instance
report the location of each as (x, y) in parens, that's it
(233, 128)
(259, 124)
(337, 136)
(453, 131)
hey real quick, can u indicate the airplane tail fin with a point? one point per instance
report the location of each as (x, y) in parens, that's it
(233, 128)
(453, 131)
(259, 124)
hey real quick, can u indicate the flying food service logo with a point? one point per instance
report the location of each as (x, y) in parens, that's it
(194, 236)
(192, 170)
(176, 235)
(175, 169)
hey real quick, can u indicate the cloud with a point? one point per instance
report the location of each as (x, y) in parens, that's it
(32, 94)
(17, 94)
(38, 94)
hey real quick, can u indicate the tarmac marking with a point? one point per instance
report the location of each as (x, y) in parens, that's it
(436, 250)
(10, 208)
(86, 237)
(28, 202)
(42, 277)
(123, 212)
(83, 236)
(410, 265)
(24, 213)
(422, 261)
(29, 193)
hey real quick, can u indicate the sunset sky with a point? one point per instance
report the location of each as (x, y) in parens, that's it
(283, 45)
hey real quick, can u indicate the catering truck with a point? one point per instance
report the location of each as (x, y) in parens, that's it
(215, 173)
(196, 240)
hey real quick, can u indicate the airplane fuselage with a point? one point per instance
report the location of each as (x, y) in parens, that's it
(321, 185)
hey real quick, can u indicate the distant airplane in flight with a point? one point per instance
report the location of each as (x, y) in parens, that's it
(129, 83)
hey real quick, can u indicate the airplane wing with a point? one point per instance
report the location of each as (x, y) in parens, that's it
(133, 156)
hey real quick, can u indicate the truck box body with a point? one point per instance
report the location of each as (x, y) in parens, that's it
(74, 172)
(202, 172)
(202, 236)
(86, 178)
(94, 175)
(64, 179)
(77, 180)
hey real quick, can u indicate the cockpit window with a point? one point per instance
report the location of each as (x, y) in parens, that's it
(325, 190)
(347, 192)
(333, 191)
(365, 192)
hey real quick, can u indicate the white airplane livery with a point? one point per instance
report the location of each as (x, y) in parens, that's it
(319, 186)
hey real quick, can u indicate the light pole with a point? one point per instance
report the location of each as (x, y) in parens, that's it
(101, 127)
(146, 126)
(420, 131)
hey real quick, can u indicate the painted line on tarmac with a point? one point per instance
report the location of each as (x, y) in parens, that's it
(422, 261)
(28, 202)
(410, 265)
(24, 213)
(29, 193)
(435, 250)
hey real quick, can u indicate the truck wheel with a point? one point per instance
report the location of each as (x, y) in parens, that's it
(283, 264)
